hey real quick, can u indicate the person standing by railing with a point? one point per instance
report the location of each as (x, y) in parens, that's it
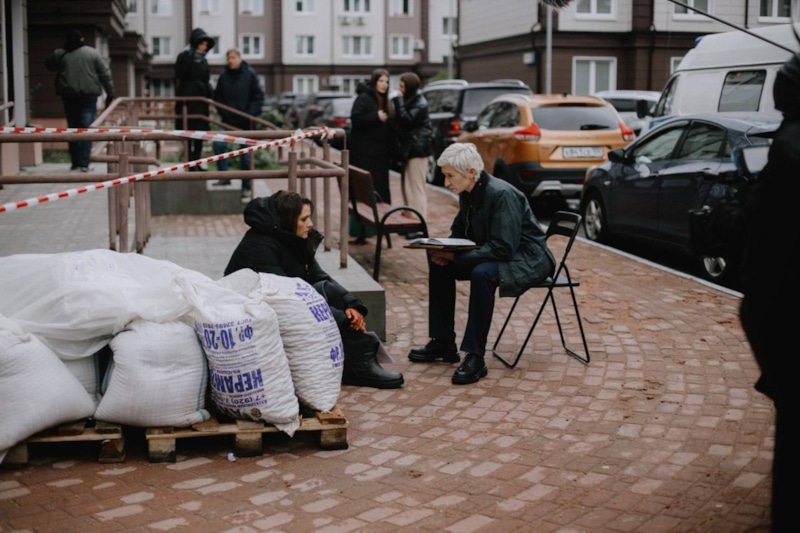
(82, 75)
(193, 79)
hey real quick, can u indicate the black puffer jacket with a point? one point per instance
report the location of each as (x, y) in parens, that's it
(240, 90)
(371, 140)
(193, 79)
(416, 130)
(268, 248)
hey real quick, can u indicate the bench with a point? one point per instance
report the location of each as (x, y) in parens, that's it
(384, 218)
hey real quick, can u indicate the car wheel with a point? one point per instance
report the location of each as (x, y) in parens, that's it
(716, 269)
(594, 219)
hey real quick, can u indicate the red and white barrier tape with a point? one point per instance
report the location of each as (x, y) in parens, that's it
(290, 141)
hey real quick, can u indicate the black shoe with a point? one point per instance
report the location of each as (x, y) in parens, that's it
(471, 370)
(434, 350)
(369, 373)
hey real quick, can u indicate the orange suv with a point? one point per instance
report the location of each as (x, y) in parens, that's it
(543, 144)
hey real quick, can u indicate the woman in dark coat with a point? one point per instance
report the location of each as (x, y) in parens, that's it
(282, 241)
(192, 73)
(372, 131)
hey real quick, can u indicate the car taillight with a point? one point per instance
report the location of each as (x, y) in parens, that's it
(531, 133)
(338, 122)
(627, 133)
(454, 127)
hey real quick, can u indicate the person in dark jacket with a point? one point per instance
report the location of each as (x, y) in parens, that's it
(512, 255)
(237, 87)
(193, 79)
(83, 75)
(282, 241)
(372, 131)
(415, 135)
(769, 276)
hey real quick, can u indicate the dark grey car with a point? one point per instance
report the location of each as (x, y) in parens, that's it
(679, 187)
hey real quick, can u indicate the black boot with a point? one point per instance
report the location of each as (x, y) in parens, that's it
(365, 371)
(471, 370)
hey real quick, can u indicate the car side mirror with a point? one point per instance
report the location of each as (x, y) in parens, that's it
(470, 125)
(617, 155)
(643, 108)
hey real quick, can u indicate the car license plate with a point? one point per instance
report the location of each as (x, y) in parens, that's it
(574, 152)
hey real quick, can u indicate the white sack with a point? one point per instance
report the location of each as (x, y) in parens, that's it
(249, 373)
(158, 377)
(76, 301)
(87, 371)
(311, 339)
(37, 391)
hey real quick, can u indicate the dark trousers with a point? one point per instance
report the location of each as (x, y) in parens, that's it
(80, 113)
(483, 282)
(222, 165)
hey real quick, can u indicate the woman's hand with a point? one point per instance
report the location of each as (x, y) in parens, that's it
(441, 257)
(356, 320)
(382, 115)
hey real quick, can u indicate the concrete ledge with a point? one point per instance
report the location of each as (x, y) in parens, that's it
(195, 198)
(358, 281)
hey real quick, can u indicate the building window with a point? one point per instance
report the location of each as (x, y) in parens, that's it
(161, 7)
(683, 12)
(209, 7)
(595, 8)
(775, 10)
(356, 6)
(305, 84)
(251, 45)
(448, 26)
(304, 45)
(304, 6)
(348, 84)
(401, 8)
(161, 88)
(253, 8)
(357, 46)
(591, 75)
(215, 50)
(132, 6)
(673, 63)
(161, 47)
(400, 47)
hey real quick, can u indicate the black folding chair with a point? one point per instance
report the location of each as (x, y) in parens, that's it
(566, 224)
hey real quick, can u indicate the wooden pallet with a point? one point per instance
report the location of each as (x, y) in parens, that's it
(112, 442)
(161, 442)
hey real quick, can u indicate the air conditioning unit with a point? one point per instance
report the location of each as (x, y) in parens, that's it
(419, 44)
(344, 20)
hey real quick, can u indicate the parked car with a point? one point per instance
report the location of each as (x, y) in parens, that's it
(678, 187)
(626, 102)
(335, 114)
(284, 101)
(291, 117)
(543, 144)
(451, 103)
(315, 103)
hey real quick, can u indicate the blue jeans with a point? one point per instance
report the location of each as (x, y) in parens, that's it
(244, 160)
(80, 112)
(484, 279)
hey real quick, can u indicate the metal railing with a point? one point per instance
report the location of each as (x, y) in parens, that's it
(130, 140)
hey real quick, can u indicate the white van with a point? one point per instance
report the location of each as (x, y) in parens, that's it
(729, 71)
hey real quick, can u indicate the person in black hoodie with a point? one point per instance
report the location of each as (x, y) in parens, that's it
(193, 79)
(237, 87)
(282, 241)
(769, 277)
(372, 131)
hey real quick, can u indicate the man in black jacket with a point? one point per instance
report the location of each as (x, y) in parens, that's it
(237, 87)
(193, 79)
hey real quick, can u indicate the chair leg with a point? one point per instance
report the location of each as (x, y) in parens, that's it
(378, 244)
(573, 353)
(530, 331)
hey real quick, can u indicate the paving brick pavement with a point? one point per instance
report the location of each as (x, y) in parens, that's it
(661, 432)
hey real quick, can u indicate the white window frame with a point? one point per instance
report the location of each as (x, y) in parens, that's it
(131, 6)
(396, 8)
(161, 8)
(304, 46)
(772, 17)
(397, 42)
(208, 7)
(356, 7)
(304, 6)
(674, 62)
(348, 84)
(251, 8)
(593, 14)
(449, 23)
(349, 44)
(245, 48)
(691, 15)
(305, 84)
(593, 60)
(162, 41)
(159, 87)
(217, 50)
